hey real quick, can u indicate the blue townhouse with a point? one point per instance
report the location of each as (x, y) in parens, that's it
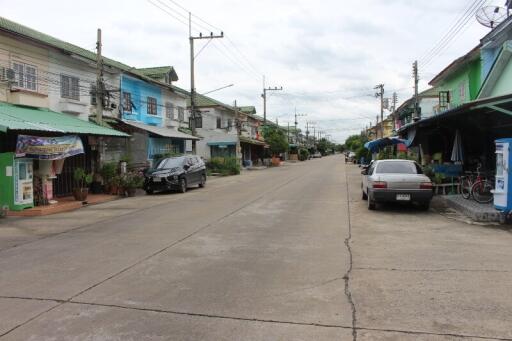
(152, 111)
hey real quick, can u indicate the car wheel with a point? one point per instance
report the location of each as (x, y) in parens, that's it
(183, 185)
(203, 181)
(371, 204)
(149, 191)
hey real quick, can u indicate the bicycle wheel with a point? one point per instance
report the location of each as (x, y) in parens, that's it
(465, 188)
(481, 191)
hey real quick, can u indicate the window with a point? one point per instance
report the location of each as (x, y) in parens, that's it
(181, 114)
(127, 102)
(397, 167)
(462, 91)
(219, 123)
(199, 122)
(25, 76)
(169, 110)
(93, 94)
(152, 110)
(230, 123)
(69, 87)
(444, 99)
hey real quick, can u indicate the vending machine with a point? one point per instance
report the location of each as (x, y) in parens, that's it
(16, 182)
(503, 185)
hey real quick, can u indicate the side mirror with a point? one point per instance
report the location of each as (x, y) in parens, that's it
(186, 167)
(364, 172)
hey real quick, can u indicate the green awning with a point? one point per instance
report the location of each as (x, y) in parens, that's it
(20, 117)
(223, 143)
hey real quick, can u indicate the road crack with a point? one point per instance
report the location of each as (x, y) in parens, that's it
(346, 278)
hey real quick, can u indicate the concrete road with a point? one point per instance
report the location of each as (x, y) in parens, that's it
(278, 254)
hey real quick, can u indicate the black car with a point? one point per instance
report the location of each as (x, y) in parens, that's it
(176, 173)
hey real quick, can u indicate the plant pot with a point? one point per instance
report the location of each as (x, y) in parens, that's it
(276, 161)
(131, 192)
(80, 194)
(114, 190)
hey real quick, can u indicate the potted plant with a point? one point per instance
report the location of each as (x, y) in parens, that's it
(130, 182)
(82, 181)
(108, 173)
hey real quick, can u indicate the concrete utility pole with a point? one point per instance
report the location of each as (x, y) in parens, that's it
(380, 94)
(395, 102)
(238, 123)
(264, 95)
(417, 113)
(191, 38)
(296, 123)
(99, 79)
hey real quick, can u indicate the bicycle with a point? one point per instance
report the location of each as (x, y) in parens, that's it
(467, 182)
(482, 190)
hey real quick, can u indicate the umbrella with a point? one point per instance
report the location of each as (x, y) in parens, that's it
(457, 152)
(376, 145)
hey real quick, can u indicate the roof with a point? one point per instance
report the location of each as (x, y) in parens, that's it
(250, 109)
(249, 140)
(27, 32)
(158, 72)
(456, 65)
(161, 131)
(18, 117)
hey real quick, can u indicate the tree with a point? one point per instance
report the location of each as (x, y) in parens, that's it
(276, 139)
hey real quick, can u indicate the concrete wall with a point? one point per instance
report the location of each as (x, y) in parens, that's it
(140, 91)
(14, 50)
(211, 134)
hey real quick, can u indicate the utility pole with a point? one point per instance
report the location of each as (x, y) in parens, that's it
(296, 123)
(288, 132)
(307, 133)
(264, 95)
(191, 38)
(380, 94)
(238, 123)
(99, 79)
(395, 102)
(417, 113)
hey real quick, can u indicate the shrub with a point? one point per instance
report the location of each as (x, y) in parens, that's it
(82, 179)
(108, 172)
(224, 165)
(303, 154)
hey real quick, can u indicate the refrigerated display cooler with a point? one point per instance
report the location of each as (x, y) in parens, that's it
(16, 182)
(503, 186)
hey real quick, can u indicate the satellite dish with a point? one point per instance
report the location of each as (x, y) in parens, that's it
(491, 16)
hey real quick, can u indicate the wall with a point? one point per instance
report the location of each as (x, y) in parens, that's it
(210, 133)
(504, 84)
(139, 91)
(14, 50)
(468, 78)
(179, 101)
(60, 64)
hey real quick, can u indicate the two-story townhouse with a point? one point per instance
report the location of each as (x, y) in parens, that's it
(216, 125)
(252, 142)
(153, 111)
(428, 104)
(45, 93)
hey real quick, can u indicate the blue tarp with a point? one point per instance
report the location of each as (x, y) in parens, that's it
(376, 145)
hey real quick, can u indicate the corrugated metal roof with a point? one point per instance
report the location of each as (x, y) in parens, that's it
(18, 117)
(161, 131)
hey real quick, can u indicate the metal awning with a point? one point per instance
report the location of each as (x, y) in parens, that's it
(21, 117)
(376, 145)
(161, 131)
(221, 143)
(244, 139)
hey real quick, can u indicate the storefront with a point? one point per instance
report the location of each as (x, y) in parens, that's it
(464, 135)
(252, 150)
(49, 144)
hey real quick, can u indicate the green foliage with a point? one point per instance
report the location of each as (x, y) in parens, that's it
(126, 158)
(355, 142)
(82, 179)
(132, 180)
(108, 172)
(276, 139)
(223, 165)
(303, 154)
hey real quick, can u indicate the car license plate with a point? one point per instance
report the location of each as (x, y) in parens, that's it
(157, 179)
(403, 197)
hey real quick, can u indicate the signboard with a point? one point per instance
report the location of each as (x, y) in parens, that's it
(48, 148)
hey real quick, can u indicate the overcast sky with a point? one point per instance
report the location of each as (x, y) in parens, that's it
(327, 54)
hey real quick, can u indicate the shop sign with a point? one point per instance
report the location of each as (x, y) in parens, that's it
(48, 148)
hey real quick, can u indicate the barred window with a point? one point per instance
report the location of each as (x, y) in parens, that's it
(127, 102)
(169, 110)
(69, 87)
(152, 109)
(181, 114)
(25, 76)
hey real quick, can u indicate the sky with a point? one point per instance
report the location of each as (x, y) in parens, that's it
(327, 54)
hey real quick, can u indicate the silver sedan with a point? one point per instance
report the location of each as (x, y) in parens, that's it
(396, 181)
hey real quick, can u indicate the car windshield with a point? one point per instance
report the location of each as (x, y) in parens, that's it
(397, 167)
(170, 163)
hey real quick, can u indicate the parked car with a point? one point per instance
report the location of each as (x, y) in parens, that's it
(350, 157)
(176, 173)
(317, 155)
(396, 181)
